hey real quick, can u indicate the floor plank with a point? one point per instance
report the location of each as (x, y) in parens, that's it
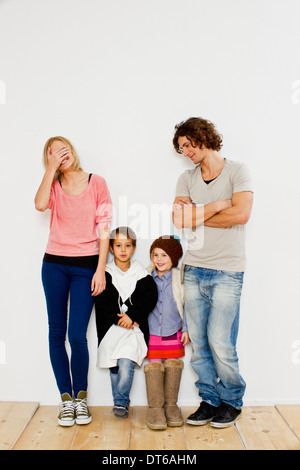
(24, 427)
(208, 438)
(263, 428)
(14, 417)
(43, 432)
(143, 438)
(105, 432)
(291, 414)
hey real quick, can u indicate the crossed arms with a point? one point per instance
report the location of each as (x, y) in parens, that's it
(218, 214)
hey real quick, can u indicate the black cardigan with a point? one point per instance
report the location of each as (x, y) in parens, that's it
(143, 300)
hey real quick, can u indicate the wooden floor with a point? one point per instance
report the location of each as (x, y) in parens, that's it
(28, 426)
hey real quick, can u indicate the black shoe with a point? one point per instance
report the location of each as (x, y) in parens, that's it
(226, 416)
(120, 411)
(203, 415)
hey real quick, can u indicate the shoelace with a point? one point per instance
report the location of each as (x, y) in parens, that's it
(81, 406)
(67, 409)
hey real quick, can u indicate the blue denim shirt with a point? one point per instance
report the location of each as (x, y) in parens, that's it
(164, 320)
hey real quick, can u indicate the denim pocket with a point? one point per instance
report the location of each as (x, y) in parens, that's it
(236, 275)
(189, 274)
(187, 268)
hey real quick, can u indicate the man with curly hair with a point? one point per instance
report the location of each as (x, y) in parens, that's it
(216, 198)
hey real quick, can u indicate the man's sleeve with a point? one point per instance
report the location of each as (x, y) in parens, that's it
(182, 187)
(242, 180)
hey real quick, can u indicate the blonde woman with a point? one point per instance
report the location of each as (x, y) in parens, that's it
(73, 270)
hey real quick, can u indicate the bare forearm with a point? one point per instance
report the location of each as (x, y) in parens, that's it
(99, 281)
(224, 219)
(238, 214)
(42, 196)
(103, 250)
(54, 161)
(191, 216)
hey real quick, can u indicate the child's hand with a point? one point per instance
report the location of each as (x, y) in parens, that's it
(185, 339)
(125, 321)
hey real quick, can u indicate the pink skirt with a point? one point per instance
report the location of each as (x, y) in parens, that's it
(165, 347)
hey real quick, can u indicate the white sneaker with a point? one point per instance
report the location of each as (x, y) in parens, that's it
(82, 413)
(66, 416)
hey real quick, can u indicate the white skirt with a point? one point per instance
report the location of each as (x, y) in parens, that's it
(119, 343)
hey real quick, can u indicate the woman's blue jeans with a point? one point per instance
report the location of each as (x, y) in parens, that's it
(71, 285)
(121, 378)
(212, 303)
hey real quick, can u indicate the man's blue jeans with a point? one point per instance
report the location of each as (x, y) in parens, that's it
(121, 378)
(63, 286)
(212, 303)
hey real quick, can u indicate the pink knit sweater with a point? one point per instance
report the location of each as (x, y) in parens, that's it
(76, 220)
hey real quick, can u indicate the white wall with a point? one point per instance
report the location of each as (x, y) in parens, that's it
(115, 76)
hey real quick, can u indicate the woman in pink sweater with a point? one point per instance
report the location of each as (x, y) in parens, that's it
(73, 270)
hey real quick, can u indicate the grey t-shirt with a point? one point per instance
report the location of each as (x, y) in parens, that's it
(220, 248)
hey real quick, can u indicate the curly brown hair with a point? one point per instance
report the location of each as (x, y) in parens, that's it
(199, 132)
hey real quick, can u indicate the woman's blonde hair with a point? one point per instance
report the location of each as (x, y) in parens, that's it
(76, 164)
